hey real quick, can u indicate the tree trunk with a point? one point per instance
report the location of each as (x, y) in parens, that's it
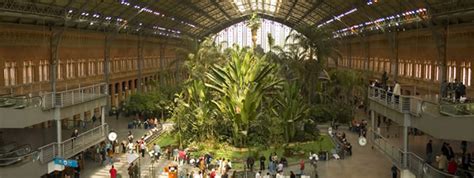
(254, 38)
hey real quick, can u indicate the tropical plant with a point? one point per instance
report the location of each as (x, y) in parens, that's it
(291, 109)
(241, 85)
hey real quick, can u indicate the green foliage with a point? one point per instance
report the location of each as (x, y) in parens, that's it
(254, 22)
(241, 85)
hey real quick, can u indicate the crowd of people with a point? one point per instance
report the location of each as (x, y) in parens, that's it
(449, 161)
(453, 91)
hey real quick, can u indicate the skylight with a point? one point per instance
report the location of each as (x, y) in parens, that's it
(267, 6)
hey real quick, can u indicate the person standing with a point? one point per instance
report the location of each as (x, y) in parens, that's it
(442, 162)
(384, 80)
(302, 167)
(397, 91)
(429, 152)
(142, 149)
(113, 172)
(130, 171)
(74, 135)
(463, 147)
(450, 152)
(452, 166)
(262, 162)
(394, 171)
(250, 163)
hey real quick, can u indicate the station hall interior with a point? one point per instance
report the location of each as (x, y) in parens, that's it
(72, 67)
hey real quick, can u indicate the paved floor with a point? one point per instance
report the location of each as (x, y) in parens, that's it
(365, 163)
(93, 169)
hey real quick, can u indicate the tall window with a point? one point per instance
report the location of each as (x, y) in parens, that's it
(428, 70)
(9, 73)
(469, 74)
(27, 72)
(240, 34)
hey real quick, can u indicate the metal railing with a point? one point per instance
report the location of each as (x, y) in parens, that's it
(402, 103)
(415, 164)
(75, 96)
(73, 146)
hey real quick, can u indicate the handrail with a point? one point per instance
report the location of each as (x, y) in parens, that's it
(74, 96)
(415, 164)
(416, 105)
(72, 146)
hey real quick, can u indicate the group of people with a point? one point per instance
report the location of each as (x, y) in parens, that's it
(448, 161)
(392, 91)
(344, 146)
(455, 91)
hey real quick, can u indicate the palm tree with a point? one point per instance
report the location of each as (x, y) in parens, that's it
(254, 24)
(317, 45)
(241, 85)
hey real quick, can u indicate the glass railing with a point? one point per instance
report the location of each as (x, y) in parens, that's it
(457, 109)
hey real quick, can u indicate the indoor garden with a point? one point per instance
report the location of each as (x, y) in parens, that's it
(244, 101)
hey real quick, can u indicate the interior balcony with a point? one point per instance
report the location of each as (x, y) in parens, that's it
(24, 111)
(441, 119)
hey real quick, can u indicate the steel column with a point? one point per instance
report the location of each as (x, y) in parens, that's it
(54, 49)
(107, 44)
(162, 61)
(406, 124)
(140, 62)
(393, 40)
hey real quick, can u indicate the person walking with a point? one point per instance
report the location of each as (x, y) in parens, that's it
(113, 172)
(429, 152)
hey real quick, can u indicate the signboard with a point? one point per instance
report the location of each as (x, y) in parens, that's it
(65, 162)
(54, 167)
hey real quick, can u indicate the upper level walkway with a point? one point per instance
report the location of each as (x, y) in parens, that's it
(24, 111)
(443, 120)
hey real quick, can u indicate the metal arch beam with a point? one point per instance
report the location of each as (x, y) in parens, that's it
(214, 2)
(309, 11)
(291, 9)
(243, 18)
(200, 11)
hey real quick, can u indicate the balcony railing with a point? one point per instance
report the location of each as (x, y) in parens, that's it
(402, 103)
(73, 146)
(415, 164)
(416, 105)
(75, 96)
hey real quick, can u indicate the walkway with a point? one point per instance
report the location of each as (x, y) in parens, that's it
(93, 169)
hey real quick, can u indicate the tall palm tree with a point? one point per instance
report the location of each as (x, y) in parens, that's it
(254, 24)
